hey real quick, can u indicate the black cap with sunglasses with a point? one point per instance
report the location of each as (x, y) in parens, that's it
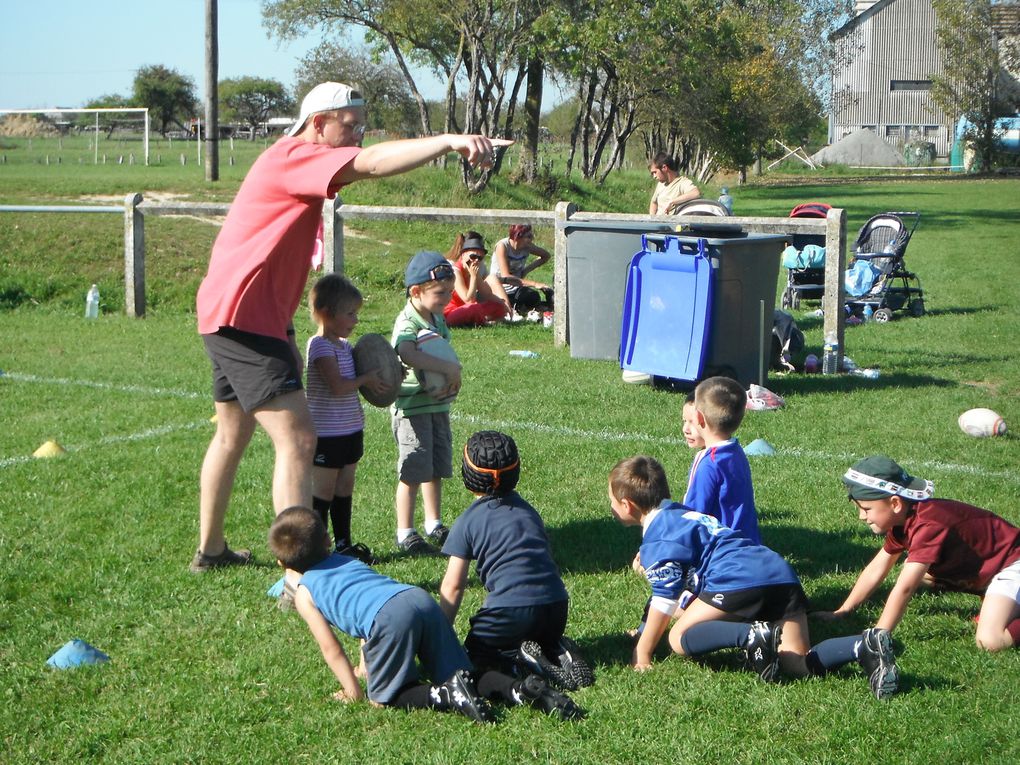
(473, 243)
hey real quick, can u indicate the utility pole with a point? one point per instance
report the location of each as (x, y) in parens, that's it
(212, 121)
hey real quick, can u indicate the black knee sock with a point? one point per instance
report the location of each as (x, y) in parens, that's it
(833, 653)
(416, 696)
(706, 637)
(495, 686)
(321, 506)
(340, 513)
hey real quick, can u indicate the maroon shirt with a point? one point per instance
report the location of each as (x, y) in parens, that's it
(964, 546)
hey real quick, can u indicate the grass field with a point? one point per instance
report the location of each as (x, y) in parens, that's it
(95, 544)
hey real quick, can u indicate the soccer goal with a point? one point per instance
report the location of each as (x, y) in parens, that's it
(94, 125)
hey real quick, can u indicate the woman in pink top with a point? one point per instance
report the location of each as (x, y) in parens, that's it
(256, 279)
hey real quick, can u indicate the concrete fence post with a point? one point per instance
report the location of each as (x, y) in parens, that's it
(564, 210)
(332, 236)
(134, 256)
(834, 295)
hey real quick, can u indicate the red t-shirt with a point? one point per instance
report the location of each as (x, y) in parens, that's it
(964, 546)
(262, 256)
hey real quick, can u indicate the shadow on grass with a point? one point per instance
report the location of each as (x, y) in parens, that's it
(593, 545)
(818, 552)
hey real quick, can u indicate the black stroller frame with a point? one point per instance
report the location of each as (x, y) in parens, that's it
(805, 283)
(883, 242)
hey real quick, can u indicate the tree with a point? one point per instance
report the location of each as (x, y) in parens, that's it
(169, 95)
(978, 47)
(253, 100)
(391, 105)
(108, 122)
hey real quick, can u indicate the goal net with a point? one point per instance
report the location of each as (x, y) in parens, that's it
(74, 135)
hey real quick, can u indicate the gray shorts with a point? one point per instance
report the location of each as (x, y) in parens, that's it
(424, 445)
(250, 369)
(410, 625)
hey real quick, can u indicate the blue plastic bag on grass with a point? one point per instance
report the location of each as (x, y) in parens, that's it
(860, 278)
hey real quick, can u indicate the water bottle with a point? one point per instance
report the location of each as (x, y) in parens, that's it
(868, 312)
(524, 354)
(831, 356)
(726, 200)
(92, 303)
(869, 373)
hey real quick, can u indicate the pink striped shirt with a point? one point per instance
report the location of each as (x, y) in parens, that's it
(333, 415)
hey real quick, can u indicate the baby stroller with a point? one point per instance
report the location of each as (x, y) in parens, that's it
(877, 277)
(805, 259)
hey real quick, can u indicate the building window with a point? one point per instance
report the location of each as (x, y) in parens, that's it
(893, 131)
(931, 132)
(902, 85)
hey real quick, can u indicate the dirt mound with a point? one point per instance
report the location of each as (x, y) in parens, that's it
(862, 148)
(27, 126)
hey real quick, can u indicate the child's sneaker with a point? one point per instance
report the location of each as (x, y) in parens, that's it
(438, 535)
(534, 691)
(459, 694)
(531, 658)
(876, 657)
(413, 544)
(574, 664)
(762, 653)
(202, 562)
(359, 551)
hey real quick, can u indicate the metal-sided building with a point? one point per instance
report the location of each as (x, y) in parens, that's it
(890, 52)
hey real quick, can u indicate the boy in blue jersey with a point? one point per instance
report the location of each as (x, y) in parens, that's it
(719, 483)
(521, 623)
(744, 594)
(396, 623)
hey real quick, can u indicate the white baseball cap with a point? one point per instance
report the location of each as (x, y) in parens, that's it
(325, 97)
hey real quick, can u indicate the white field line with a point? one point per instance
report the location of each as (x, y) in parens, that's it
(841, 458)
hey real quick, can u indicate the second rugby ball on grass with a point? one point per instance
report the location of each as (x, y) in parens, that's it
(434, 383)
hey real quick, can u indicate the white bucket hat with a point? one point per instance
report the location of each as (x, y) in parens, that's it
(325, 97)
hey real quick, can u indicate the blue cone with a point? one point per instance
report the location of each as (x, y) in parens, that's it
(74, 653)
(276, 590)
(759, 447)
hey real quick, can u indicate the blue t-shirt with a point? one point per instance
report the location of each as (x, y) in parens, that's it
(686, 550)
(349, 593)
(719, 485)
(507, 538)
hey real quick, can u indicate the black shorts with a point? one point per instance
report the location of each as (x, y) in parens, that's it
(769, 604)
(339, 451)
(250, 369)
(497, 633)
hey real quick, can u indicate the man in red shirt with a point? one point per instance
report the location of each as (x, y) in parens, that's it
(950, 545)
(257, 274)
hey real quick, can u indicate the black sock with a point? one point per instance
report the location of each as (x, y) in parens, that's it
(340, 512)
(832, 653)
(416, 696)
(495, 686)
(706, 637)
(321, 506)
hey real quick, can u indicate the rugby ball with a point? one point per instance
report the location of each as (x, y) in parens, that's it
(434, 383)
(981, 423)
(373, 351)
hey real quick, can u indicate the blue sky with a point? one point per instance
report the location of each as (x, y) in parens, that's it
(61, 53)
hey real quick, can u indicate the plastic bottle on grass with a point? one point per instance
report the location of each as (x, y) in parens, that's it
(524, 354)
(868, 312)
(726, 200)
(92, 303)
(831, 356)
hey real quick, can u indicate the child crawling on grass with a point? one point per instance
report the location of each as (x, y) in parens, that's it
(397, 624)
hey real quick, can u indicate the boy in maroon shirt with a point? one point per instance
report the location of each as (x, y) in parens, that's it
(950, 545)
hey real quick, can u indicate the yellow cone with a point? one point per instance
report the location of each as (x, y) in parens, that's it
(49, 449)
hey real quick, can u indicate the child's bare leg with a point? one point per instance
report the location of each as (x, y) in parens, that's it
(407, 494)
(697, 611)
(998, 624)
(794, 646)
(323, 482)
(432, 499)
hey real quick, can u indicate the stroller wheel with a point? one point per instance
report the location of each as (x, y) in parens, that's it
(882, 315)
(786, 301)
(795, 300)
(916, 307)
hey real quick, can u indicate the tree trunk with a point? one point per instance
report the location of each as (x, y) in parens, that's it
(532, 118)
